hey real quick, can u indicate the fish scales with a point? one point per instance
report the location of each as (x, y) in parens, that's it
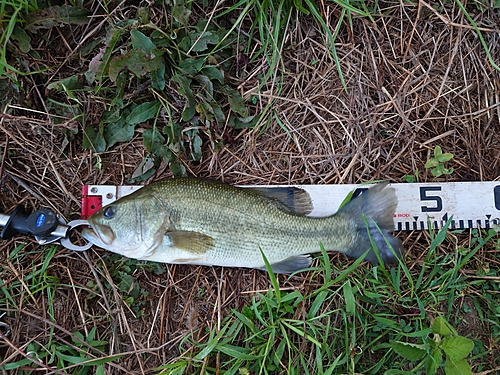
(197, 221)
(242, 219)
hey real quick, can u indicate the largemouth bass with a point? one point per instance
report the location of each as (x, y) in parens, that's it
(197, 221)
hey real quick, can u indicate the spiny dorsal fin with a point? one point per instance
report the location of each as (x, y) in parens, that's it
(291, 199)
(192, 242)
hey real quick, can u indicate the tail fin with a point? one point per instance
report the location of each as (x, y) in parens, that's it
(374, 209)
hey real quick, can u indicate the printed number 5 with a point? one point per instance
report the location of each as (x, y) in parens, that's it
(436, 198)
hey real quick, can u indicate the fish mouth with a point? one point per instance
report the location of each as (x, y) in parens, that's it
(101, 236)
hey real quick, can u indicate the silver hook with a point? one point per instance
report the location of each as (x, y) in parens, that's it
(66, 242)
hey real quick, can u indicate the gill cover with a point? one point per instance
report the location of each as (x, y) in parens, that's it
(132, 226)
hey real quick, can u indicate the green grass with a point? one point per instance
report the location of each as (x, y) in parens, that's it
(352, 323)
(352, 318)
(73, 352)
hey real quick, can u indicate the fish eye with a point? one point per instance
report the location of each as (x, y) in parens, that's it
(109, 213)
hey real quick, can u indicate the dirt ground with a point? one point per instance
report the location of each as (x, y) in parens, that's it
(417, 77)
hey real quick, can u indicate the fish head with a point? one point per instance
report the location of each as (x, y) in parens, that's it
(133, 226)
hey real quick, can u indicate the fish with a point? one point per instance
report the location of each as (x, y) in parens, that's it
(204, 222)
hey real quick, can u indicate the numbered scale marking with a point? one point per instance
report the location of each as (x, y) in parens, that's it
(472, 204)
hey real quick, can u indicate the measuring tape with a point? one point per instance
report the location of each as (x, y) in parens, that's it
(472, 204)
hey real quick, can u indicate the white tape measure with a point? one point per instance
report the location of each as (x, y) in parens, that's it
(472, 204)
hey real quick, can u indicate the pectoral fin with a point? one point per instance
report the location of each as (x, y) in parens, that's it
(291, 199)
(192, 242)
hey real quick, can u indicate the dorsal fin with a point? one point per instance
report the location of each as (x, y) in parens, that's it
(290, 198)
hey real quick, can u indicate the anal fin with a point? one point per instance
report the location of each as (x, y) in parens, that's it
(290, 265)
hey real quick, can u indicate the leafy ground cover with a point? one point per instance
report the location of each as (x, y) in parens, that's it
(248, 92)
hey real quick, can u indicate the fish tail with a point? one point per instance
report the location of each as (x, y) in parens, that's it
(373, 212)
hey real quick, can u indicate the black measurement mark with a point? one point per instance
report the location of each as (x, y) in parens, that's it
(496, 196)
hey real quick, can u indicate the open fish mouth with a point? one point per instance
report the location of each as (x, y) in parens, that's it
(95, 238)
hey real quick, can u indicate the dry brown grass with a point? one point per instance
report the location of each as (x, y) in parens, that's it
(416, 78)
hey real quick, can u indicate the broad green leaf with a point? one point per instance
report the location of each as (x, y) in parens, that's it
(409, 178)
(202, 39)
(433, 361)
(438, 171)
(185, 44)
(143, 112)
(180, 12)
(410, 351)
(191, 66)
(22, 38)
(185, 89)
(126, 282)
(457, 367)
(158, 79)
(206, 84)
(99, 65)
(141, 41)
(236, 101)
(440, 326)
(431, 163)
(174, 133)
(213, 73)
(384, 322)
(196, 147)
(56, 16)
(144, 170)
(153, 140)
(177, 168)
(138, 61)
(243, 123)
(205, 111)
(219, 115)
(444, 157)
(70, 83)
(188, 112)
(94, 139)
(457, 347)
(119, 131)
